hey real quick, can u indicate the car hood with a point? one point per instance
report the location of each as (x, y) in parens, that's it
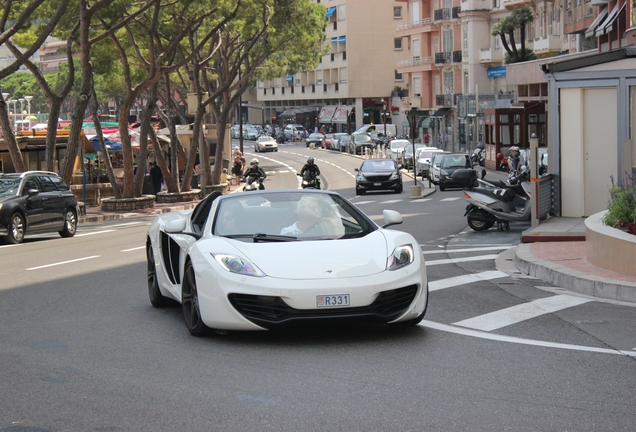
(321, 259)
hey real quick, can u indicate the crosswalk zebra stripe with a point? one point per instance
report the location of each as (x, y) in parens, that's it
(464, 279)
(390, 201)
(515, 314)
(458, 260)
(476, 249)
(422, 200)
(450, 199)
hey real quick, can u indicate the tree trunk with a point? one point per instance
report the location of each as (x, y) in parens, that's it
(51, 134)
(221, 126)
(9, 138)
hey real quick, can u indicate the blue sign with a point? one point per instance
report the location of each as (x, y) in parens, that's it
(496, 72)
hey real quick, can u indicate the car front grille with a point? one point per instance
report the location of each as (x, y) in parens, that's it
(270, 311)
(377, 178)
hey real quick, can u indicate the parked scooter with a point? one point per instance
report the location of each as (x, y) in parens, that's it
(253, 183)
(498, 202)
(478, 157)
(310, 180)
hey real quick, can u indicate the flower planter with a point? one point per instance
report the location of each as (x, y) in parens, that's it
(128, 204)
(609, 248)
(167, 197)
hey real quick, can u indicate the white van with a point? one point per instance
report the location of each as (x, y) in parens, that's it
(379, 128)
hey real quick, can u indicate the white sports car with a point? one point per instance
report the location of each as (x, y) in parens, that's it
(271, 258)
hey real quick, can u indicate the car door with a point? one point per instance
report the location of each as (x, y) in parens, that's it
(33, 205)
(66, 196)
(53, 214)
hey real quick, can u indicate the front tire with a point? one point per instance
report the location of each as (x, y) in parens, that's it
(479, 224)
(359, 191)
(70, 224)
(16, 229)
(190, 304)
(154, 293)
(442, 188)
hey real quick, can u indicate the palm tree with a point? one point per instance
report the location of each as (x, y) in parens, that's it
(521, 18)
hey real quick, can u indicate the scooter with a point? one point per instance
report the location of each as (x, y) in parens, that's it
(478, 158)
(499, 203)
(253, 183)
(309, 180)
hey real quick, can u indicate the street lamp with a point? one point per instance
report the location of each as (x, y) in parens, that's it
(28, 99)
(21, 100)
(411, 116)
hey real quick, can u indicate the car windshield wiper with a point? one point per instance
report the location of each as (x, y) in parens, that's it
(262, 237)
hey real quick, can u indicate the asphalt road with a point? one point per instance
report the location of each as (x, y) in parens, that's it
(82, 349)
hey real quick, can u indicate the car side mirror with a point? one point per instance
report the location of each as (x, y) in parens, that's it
(356, 169)
(175, 226)
(391, 217)
(32, 192)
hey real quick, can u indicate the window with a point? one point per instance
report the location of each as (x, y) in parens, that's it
(397, 12)
(283, 90)
(449, 84)
(344, 55)
(415, 8)
(292, 90)
(341, 13)
(313, 88)
(324, 88)
(415, 49)
(397, 43)
(274, 91)
(302, 89)
(398, 76)
(447, 40)
(417, 86)
(335, 25)
(264, 92)
(333, 56)
(337, 87)
(46, 184)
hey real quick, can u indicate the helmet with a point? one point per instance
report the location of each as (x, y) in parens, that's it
(254, 161)
(310, 159)
(514, 148)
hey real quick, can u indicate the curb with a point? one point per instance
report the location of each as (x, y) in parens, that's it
(573, 280)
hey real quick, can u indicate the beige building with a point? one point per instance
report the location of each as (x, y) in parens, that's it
(351, 81)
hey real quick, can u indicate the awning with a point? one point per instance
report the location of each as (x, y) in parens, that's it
(607, 24)
(341, 113)
(599, 18)
(330, 11)
(110, 144)
(289, 78)
(342, 39)
(326, 114)
(440, 113)
(424, 122)
(610, 25)
(334, 40)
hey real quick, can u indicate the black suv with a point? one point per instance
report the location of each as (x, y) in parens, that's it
(36, 201)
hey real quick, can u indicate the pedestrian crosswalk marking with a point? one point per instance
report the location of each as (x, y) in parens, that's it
(390, 201)
(525, 311)
(422, 200)
(464, 279)
(450, 199)
(458, 260)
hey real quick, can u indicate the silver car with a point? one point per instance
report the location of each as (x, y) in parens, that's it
(265, 143)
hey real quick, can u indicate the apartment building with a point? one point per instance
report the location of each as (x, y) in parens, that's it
(354, 83)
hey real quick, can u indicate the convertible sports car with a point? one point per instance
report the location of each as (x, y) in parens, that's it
(272, 258)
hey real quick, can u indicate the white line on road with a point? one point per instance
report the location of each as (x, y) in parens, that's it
(510, 339)
(450, 199)
(6, 246)
(93, 233)
(476, 249)
(363, 202)
(126, 224)
(134, 249)
(422, 200)
(63, 262)
(390, 201)
(525, 311)
(458, 260)
(464, 279)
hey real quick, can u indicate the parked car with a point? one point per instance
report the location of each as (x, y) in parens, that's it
(252, 134)
(36, 201)
(378, 174)
(397, 147)
(222, 262)
(424, 156)
(265, 143)
(360, 142)
(344, 142)
(436, 160)
(335, 140)
(406, 159)
(293, 130)
(328, 143)
(315, 139)
(448, 165)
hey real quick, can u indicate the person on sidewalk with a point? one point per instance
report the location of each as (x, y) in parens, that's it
(156, 177)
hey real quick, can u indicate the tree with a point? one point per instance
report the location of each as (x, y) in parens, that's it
(505, 30)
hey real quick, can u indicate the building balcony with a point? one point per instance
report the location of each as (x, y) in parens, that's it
(446, 100)
(457, 56)
(423, 26)
(416, 65)
(515, 4)
(491, 55)
(442, 14)
(547, 45)
(443, 57)
(476, 5)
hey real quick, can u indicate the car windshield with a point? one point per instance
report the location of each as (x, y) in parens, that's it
(425, 154)
(454, 162)
(398, 145)
(344, 138)
(316, 135)
(9, 185)
(408, 150)
(378, 165)
(289, 216)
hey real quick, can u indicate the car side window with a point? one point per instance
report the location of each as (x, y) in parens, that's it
(59, 183)
(46, 184)
(30, 183)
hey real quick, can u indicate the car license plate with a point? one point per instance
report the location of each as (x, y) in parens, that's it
(377, 184)
(327, 301)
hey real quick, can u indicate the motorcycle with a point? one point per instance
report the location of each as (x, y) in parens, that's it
(253, 183)
(499, 203)
(309, 180)
(478, 157)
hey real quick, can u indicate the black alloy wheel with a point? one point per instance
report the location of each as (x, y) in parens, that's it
(190, 303)
(16, 229)
(154, 293)
(70, 224)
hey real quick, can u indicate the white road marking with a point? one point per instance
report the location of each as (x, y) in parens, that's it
(390, 201)
(11, 245)
(362, 202)
(63, 262)
(458, 260)
(422, 200)
(134, 249)
(450, 199)
(93, 233)
(525, 311)
(510, 339)
(464, 279)
(477, 249)
(126, 224)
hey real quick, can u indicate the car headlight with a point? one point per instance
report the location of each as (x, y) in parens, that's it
(395, 176)
(401, 257)
(361, 177)
(238, 265)
(442, 172)
(0, 206)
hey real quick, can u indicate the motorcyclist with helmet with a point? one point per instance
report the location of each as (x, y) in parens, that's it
(253, 173)
(311, 171)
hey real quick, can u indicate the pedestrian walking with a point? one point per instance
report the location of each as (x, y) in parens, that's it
(156, 177)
